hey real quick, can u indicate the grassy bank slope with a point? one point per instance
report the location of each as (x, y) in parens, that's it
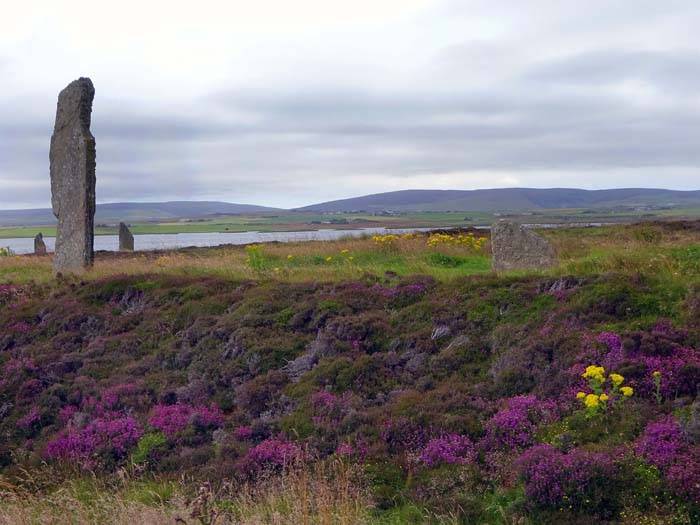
(666, 249)
(440, 398)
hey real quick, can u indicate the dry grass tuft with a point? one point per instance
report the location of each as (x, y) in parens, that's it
(348, 258)
(329, 493)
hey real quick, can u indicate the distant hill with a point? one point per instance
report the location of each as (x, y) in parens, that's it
(509, 199)
(134, 212)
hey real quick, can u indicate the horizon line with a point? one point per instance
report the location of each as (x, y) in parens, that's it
(172, 201)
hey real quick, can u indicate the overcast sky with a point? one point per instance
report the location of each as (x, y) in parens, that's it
(287, 103)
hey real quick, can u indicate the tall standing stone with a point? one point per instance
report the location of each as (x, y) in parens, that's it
(126, 239)
(72, 167)
(39, 244)
(515, 247)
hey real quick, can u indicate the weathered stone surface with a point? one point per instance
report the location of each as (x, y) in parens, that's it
(39, 244)
(72, 167)
(296, 368)
(126, 239)
(517, 248)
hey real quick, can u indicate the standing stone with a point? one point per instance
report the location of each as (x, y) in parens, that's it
(126, 239)
(517, 248)
(72, 168)
(39, 245)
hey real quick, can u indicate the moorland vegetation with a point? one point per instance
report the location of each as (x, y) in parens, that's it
(378, 380)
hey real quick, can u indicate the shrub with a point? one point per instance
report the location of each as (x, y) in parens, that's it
(30, 420)
(148, 446)
(660, 368)
(329, 409)
(273, 453)
(103, 442)
(665, 445)
(124, 395)
(173, 419)
(683, 477)
(448, 449)
(402, 435)
(170, 419)
(679, 374)
(580, 481)
(662, 442)
(243, 433)
(513, 427)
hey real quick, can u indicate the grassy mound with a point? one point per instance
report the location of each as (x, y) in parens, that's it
(447, 398)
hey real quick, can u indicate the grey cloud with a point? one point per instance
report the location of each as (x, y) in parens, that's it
(480, 105)
(521, 127)
(141, 127)
(323, 134)
(677, 70)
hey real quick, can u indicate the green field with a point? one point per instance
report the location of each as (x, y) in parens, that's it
(293, 221)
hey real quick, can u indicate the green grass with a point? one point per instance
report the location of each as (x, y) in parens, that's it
(669, 254)
(291, 221)
(344, 259)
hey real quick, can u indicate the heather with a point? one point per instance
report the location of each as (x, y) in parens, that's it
(528, 399)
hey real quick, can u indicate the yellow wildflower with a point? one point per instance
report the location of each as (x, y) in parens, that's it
(290, 257)
(385, 239)
(656, 373)
(617, 379)
(591, 401)
(580, 395)
(351, 258)
(329, 258)
(469, 240)
(627, 391)
(595, 372)
(345, 251)
(277, 269)
(603, 397)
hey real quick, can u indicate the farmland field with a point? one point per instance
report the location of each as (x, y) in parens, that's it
(293, 221)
